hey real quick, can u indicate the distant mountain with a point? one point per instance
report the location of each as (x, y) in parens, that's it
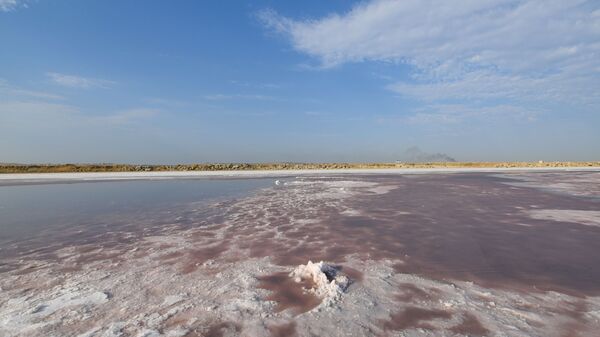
(415, 155)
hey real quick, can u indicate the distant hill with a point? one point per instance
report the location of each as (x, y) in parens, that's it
(415, 155)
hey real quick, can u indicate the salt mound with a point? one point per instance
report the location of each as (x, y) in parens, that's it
(326, 281)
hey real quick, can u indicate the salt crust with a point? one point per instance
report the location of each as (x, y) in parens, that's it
(328, 283)
(142, 295)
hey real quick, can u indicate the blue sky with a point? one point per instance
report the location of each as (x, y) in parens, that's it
(238, 81)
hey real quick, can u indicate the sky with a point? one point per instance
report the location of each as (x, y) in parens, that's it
(305, 81)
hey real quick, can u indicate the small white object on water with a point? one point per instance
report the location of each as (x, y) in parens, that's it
(277, 182)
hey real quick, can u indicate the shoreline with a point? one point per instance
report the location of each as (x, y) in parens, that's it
(105, 176)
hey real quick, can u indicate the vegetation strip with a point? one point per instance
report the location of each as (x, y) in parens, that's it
(62, 168)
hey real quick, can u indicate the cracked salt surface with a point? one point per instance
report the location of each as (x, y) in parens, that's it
(247, 270)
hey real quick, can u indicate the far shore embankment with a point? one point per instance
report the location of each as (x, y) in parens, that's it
(149, 174)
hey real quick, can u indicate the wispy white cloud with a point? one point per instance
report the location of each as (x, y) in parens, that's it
(10, 5)
(28, 115)
(12, 91)
(521, 50)
(78, 81)
(448, 114)
(498, 32)
(581, 89)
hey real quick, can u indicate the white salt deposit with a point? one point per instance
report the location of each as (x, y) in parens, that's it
(28, 313)
(328, 283)
(146, 293)
(587, 218)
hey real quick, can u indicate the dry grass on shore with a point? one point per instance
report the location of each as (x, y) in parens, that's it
(64, 168)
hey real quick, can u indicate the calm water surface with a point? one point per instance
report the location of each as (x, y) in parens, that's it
(29, 211)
